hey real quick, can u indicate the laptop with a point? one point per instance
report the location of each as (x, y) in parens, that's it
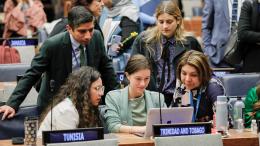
(169, 116)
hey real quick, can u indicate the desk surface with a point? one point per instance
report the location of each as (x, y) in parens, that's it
(235, 139)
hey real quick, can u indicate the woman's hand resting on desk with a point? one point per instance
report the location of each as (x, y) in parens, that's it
(7, 111)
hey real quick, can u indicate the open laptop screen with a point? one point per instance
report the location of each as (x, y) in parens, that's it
(169, 116)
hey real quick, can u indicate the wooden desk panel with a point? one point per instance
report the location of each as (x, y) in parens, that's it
(245, 138)
(133, 140)
(235, 139)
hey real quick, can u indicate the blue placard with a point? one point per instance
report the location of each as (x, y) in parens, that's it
(120, 76)
(14, 42)
(75, 135)
(163, 130)
(23, 42)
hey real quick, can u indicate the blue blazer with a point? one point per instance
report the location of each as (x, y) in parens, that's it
(215, 29)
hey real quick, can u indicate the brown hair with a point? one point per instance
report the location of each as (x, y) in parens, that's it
(77, 88)
(136, 63)
(199, 61)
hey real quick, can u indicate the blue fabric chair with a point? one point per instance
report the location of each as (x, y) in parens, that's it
(15, 127)
(9, 72)
(238, 84)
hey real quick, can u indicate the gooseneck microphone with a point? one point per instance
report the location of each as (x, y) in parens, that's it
(52, 86)
(165, 56)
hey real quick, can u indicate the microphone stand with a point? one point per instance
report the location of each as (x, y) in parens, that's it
(52, 86)
(162, 80)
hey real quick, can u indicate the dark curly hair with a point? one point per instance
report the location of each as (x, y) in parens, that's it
(77, 87)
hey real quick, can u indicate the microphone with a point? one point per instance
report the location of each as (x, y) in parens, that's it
(52, 86)
(165, 57)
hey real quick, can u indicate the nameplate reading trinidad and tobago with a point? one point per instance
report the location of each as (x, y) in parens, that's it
(73, 135)
(163, 130)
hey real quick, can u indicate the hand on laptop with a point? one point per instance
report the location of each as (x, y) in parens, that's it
(138, 129)
(7, 111)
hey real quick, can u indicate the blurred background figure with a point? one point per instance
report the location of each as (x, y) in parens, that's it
(95, 8)
(249, 36)
(163, 45)
(23, 17)
(120, 24)
(196, 86)
(127, 108)
(76, 103)
(217, 20)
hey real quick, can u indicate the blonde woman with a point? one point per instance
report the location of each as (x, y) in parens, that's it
(163, 45)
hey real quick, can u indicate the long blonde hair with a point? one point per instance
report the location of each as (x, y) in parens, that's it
(171, 8)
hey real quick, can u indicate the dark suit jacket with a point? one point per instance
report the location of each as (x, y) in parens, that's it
(249, 35)
(55, 61)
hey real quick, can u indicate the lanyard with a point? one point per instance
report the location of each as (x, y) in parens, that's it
(77, 61)
(197, 105)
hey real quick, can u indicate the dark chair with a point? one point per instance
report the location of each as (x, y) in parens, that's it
(238, 84)
(15, 127)
(9, 72)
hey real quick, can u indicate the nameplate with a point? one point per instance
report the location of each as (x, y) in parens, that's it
(75, 135)
(22, 42)
(120, 76)
(163, 130)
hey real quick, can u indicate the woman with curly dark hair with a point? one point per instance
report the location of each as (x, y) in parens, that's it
(76, 103)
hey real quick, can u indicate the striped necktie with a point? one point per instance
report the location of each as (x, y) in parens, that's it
(234, 12)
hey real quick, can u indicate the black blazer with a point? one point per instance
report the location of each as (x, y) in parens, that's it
(55, 61)
(249, 35)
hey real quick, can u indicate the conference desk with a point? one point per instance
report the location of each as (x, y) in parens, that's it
(235, 139)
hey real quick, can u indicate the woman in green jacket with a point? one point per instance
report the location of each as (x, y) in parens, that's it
(252, 105)
(127, 108)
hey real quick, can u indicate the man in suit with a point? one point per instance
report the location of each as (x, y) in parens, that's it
(59, 56)
(216, 28)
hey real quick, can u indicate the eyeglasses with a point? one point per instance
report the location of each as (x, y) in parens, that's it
(100, 89)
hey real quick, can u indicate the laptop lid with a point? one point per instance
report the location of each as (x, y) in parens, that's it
(169, 116)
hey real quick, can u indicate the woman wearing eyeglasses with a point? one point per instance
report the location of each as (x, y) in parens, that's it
(127, 108)
(76, 103)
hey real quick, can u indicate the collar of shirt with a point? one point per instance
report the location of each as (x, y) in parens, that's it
(75, 44)
(164, 40)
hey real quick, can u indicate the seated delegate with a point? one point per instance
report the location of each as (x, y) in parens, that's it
(252, 105)
(196, 86)
(76, 103)
(127, 108)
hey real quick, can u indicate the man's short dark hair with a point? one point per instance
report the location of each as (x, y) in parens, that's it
(79, 15)
(82, 2)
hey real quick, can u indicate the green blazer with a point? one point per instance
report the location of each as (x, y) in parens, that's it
(55, 63)
(119, 112)
(250, 100)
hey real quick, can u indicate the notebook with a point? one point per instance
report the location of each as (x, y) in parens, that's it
(169, 116)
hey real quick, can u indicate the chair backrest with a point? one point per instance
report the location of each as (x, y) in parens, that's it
(239, 83)
(8, 72)
(105, 142)
(194, 140)
(15, 127)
